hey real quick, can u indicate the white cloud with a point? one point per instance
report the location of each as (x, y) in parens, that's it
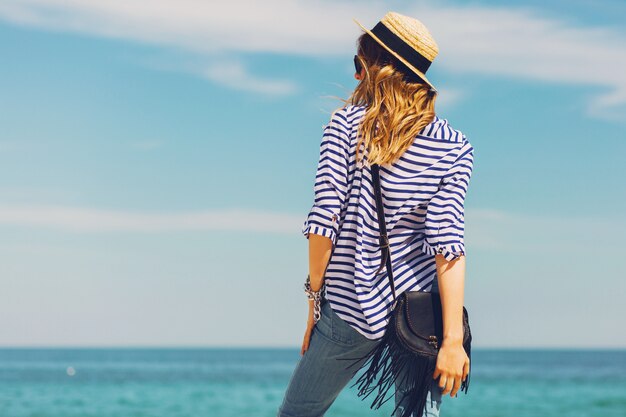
(497, 230)
(76, 219)
(234, 75)
(489, 229)
(448, 97)
(511, 42)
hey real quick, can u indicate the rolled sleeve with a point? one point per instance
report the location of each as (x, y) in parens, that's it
(445, 215)
(331, 180)
(321, 221)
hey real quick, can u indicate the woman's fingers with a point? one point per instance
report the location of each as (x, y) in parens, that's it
(461, 377)
(306, 340)
(305, 345)
(449, 384)
(442, 382)
(466, 368)
(455, 386)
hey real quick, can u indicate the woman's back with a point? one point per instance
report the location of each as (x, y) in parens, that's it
(423, 197)
(425, 167)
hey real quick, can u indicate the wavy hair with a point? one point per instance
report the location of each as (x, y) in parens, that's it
(398, 104)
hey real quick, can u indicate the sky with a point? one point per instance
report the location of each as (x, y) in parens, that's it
(157, 161)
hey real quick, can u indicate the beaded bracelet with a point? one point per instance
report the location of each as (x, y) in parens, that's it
(316, 296)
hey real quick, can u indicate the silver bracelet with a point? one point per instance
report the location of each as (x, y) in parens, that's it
(316, 296)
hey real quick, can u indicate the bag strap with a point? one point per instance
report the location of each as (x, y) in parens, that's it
(383, 238)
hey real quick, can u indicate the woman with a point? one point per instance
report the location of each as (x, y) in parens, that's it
(425, 168)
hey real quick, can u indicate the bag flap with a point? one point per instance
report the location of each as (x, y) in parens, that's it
(422, 311)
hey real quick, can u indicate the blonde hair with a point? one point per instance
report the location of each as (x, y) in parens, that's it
(397, 107)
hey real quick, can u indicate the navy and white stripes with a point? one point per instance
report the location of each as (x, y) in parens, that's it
(423, 199)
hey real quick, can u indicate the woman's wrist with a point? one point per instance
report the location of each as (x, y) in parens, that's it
(316, 281)
(314, 297)
(453, 339)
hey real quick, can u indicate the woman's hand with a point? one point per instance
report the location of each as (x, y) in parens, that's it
(452, 367)
(310, 324)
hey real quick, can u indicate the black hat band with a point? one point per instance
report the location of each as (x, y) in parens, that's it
(419, 61)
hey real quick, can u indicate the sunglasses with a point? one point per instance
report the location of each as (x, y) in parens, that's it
(357, 64)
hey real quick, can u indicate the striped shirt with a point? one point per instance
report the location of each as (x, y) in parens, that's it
(423, 198)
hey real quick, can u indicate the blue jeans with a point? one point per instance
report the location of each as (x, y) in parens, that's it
(319, 378)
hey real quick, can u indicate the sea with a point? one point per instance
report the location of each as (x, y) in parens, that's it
(238, 382)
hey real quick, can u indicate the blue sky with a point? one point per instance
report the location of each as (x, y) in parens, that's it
(157, 161)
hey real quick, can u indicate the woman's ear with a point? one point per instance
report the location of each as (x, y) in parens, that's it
(360, 75)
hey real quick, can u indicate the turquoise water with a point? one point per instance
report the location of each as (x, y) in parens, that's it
(251, 382)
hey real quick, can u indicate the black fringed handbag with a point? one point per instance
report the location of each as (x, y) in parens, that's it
(410, 345)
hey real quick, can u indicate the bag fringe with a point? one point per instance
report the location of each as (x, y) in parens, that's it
(389, 360)
(385, 364)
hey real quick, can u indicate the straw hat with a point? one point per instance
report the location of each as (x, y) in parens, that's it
(408, 40)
